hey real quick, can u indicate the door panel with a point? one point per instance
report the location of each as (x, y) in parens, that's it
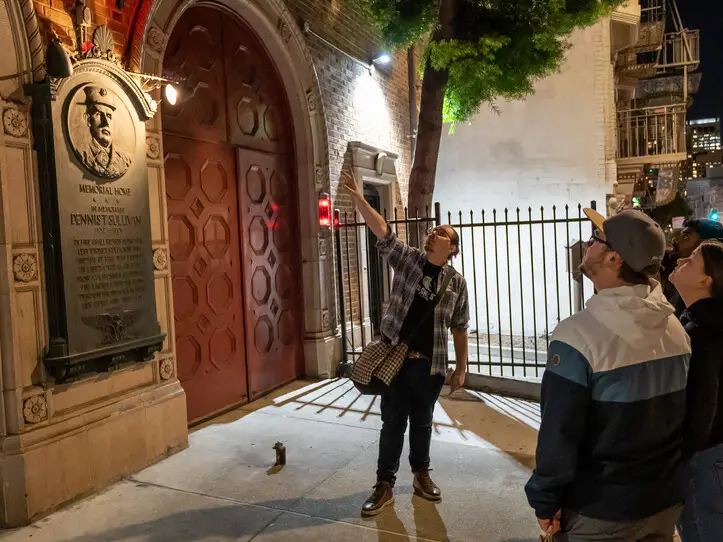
(195, 55)
(273, 289)
(206, 268)
(257, 113)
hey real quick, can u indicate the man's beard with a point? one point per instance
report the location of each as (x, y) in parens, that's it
(584, 271)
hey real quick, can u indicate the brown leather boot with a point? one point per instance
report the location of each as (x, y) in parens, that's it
(382, 497)
(425, 487)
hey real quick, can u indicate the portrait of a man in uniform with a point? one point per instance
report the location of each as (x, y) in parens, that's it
(100, 155)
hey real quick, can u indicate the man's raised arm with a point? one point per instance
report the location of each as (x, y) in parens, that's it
(374, 220)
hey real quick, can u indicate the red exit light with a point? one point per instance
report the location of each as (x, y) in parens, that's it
(324, 210)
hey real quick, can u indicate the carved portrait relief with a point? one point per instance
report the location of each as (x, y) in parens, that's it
(101, 131)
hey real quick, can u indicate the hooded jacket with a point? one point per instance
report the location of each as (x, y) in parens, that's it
(704, 416)
(613, 405)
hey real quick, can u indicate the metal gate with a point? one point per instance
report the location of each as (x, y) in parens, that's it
(521, 268)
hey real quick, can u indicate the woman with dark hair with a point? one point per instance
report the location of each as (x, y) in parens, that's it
(699, 281)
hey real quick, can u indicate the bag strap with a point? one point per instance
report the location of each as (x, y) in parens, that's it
(442, 290)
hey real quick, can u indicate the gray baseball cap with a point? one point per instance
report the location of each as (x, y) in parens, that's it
(638, 239)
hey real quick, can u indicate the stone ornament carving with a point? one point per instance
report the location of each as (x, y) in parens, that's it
(156, 39)
(325, 324)
(15, 122)
(35, 409)
(165, 368)
(284, 31)
(311, 100)
(103, 45)
(101, 131)
(322, 247)
(113, 326)
(379, 162)
(82, 22)
(25, 268)
(160, 259)
(319, 174)
(153, 148)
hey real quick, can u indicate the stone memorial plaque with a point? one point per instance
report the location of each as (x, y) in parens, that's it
(104, 222)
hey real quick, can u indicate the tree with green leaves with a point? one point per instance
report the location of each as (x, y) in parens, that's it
(477, 51)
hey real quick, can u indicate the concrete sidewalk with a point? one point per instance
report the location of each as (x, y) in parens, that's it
(224, 488)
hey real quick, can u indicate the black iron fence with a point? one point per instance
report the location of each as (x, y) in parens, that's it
(521, 268)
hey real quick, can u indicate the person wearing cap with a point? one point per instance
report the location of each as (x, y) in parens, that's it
(693, 234)
(100, 156)
(609, 464)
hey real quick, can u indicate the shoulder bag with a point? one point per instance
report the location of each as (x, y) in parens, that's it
(380, 361)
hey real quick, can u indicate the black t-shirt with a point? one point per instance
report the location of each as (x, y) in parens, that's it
(421, 313)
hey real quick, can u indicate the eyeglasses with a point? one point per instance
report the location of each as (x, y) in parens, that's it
(595, 238)
(439, 230)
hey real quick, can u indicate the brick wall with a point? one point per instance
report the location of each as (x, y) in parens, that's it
(358, 107)
(58, 15)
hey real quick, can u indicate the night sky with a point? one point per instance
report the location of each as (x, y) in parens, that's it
(707, 16)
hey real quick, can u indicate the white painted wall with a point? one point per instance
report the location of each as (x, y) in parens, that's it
(554, 148)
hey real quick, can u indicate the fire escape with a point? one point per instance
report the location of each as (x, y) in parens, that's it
(656, 78)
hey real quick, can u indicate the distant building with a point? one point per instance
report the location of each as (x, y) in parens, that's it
(704, 147)
(704, 135)
(706, 193)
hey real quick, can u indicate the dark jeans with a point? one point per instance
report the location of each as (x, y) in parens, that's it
(702, 519)
(411, 396)
(658, 528)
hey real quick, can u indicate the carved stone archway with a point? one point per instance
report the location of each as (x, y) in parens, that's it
(285, 43)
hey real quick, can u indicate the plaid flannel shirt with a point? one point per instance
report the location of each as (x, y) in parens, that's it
(452, 312)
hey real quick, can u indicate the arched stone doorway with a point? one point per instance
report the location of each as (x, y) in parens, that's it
(232, 215)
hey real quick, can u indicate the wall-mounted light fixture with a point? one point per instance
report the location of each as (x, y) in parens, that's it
(381, 59)
(171, 87)
(57, 62)
(324, 211)
(171, 94)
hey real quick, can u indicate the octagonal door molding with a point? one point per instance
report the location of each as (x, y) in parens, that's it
(203, 221)
(195, 55)
(257, 112)
(273, 298)
(207, 282)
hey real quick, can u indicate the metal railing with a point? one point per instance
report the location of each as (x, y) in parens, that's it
(680, 49)
(521, 268)
(651, 131)
(652, 11)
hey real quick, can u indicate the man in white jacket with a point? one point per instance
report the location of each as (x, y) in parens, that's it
(609, 463)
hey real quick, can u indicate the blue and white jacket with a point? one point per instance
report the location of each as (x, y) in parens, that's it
(613, 405)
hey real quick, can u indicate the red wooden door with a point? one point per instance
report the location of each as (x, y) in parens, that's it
(206, 266)
(273, 288)
(236, 275)
(260, 128)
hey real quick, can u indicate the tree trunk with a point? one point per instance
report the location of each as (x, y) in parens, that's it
(429, 132)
